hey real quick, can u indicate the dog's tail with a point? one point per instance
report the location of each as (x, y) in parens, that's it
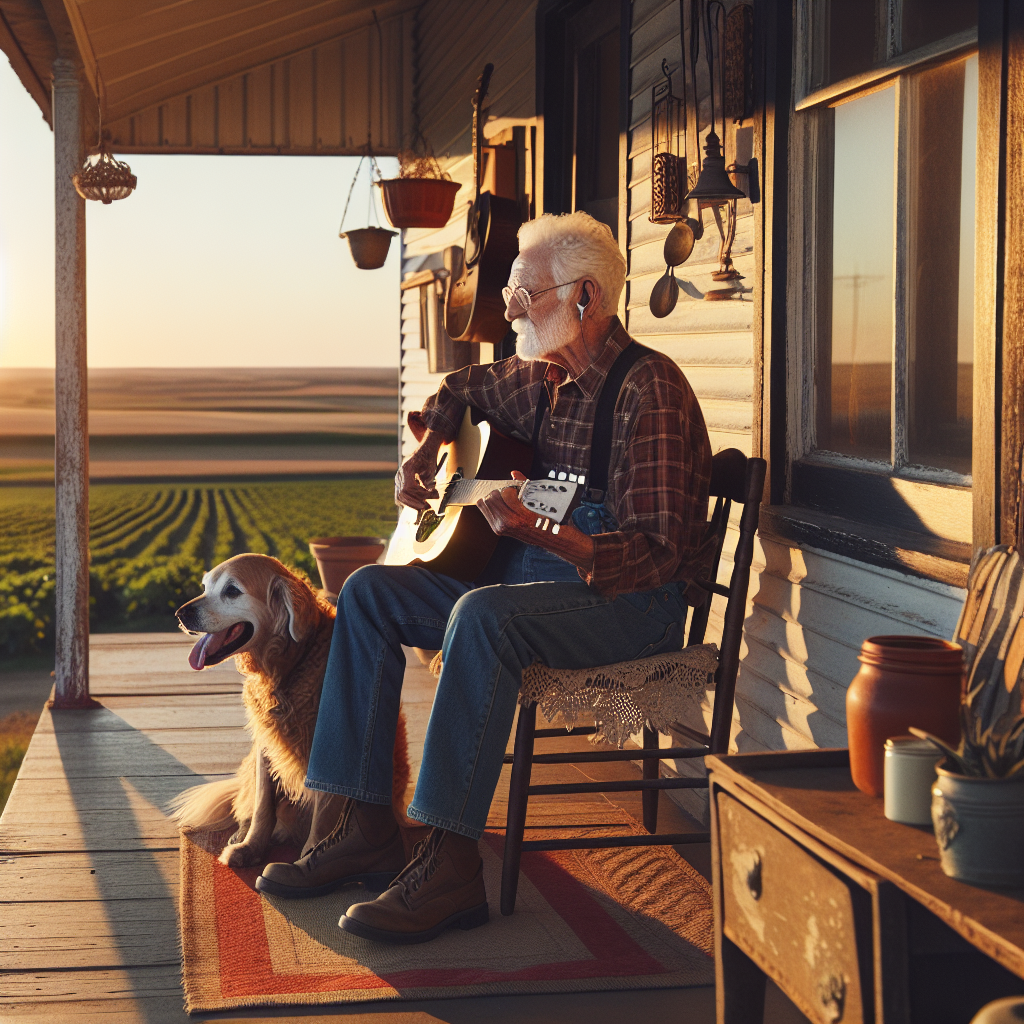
(205, 808)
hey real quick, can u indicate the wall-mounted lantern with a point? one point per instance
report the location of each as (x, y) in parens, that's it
(668, 151)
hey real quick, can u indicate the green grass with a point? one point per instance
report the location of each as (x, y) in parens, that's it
(151, 543)
(15, 733)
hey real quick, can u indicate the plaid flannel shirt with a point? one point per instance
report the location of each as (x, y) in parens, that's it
(660, 467)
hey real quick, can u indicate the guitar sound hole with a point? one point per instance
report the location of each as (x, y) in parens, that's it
(429, 521)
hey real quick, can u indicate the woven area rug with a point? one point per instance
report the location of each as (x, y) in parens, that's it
(590, 920)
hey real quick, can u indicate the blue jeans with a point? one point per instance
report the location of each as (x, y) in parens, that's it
(530, 606)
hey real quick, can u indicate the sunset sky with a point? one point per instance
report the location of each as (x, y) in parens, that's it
(213, 261)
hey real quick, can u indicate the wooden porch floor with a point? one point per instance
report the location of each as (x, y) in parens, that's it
(89, 861)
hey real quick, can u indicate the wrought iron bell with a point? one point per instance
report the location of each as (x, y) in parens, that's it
(713, 184)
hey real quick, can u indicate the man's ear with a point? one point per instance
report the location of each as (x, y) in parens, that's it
(590, 297)
(292, 606)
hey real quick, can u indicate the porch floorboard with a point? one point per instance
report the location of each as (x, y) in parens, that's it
(89, 862)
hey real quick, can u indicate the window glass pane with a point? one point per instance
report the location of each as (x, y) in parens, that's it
(851, 37)
(924, 21)
(597, 130)
(854, 374)
(941, 160)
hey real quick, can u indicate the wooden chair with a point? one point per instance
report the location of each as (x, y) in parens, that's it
(734, 478)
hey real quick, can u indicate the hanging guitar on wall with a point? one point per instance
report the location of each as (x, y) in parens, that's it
(474, 310)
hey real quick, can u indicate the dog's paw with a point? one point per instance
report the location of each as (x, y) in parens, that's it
(241, 855)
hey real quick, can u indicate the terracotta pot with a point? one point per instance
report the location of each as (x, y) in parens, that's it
(369, 246)
(979, 826)
(418, 202)
(338, 557)
(904, 682)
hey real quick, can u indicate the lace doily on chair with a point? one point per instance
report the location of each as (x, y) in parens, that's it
(658, 690)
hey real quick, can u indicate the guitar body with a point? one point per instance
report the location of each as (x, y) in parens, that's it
(474, 308)
(459, 543)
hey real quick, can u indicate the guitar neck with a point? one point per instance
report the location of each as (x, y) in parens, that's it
(482, 85)
(550, 499)
(476, 150)
(469, 492)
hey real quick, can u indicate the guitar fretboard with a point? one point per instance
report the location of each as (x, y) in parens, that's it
(469, 492)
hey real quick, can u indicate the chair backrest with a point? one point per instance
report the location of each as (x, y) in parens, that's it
(734, 478)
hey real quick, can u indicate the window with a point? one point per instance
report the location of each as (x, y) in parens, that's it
(881, 275)
(584, 106)
(925, 357)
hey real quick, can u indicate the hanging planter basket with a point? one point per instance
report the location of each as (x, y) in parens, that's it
(369, 246)
(418, 202)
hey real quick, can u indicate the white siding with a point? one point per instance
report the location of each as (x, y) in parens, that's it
(808, 611)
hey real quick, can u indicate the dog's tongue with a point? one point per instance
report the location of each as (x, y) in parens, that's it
(210, 644)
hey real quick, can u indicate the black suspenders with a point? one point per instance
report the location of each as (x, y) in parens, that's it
(604, 421)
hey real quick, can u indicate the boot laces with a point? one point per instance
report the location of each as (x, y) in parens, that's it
(334, 836)
(426, 856)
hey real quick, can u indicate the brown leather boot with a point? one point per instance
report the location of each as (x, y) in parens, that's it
(442, 887)
(364, 847)
(328, 810)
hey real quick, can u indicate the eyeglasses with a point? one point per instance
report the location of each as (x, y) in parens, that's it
(524, 299)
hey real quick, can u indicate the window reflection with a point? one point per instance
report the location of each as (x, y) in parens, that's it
(855, 373)
(943, 141)
(925, 21)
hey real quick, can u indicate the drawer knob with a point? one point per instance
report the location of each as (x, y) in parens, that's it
(753, 874)
(832, 990)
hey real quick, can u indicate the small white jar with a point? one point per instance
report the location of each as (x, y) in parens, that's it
(909, 773)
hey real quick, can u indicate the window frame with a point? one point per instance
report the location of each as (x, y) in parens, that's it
(916, 519)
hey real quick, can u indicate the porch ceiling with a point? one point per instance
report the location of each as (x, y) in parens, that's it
(227, 76)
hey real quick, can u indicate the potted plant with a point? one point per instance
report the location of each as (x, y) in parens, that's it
(422, 196)
(978, 797)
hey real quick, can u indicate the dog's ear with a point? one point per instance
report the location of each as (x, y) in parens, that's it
(292, 606)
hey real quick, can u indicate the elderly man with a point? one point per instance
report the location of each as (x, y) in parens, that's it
(610, 586)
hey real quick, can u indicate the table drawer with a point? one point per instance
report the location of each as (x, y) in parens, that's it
(793, 916)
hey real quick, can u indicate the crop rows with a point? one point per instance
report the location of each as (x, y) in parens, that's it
(150, 544)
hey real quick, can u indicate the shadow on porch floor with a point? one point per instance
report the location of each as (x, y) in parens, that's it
(89, 863)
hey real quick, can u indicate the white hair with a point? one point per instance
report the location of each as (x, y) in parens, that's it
(579, 246)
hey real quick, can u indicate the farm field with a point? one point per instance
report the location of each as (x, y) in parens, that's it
(151, 543)
(211, 424)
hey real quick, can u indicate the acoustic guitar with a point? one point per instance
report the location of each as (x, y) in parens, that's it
(474, 309)
(452, 536)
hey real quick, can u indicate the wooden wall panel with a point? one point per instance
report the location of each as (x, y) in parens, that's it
(311, 102)
(455, 41)
(259, 107)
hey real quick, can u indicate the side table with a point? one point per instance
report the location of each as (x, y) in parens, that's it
(848, 912)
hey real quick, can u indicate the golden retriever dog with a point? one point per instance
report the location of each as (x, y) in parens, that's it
(278, 629)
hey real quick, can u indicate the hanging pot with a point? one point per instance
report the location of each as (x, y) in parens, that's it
(369, 246)
(418, 202)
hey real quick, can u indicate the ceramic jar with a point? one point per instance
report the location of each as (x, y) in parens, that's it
(904, 682)
(979, 826)
(909, 775)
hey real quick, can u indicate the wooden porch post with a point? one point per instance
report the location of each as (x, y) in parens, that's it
(71, 454)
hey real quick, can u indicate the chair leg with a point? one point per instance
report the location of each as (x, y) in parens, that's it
(515, 823)
(652, 770)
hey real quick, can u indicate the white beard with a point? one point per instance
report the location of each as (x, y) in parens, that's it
(538, 342)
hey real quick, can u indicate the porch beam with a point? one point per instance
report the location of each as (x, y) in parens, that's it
(71, 433)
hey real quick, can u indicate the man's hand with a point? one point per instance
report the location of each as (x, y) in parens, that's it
(414, 482)
(507, 516)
